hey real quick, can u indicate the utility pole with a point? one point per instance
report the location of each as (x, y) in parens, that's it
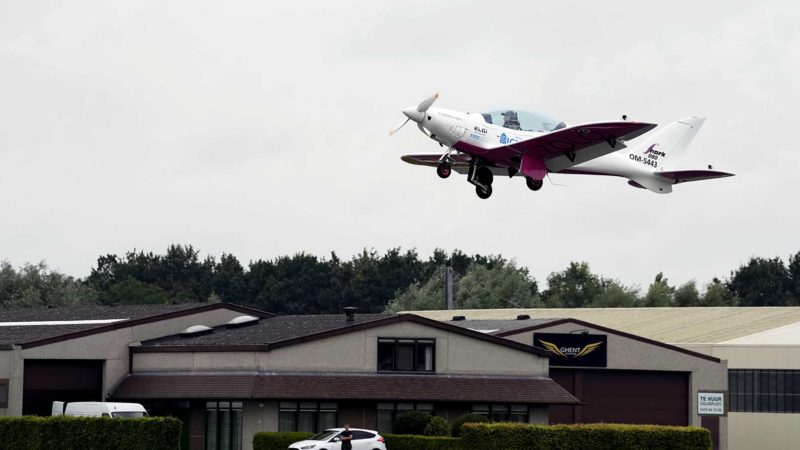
(448, 286)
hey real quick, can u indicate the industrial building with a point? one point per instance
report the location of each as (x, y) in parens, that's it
(760, 345)
(229, 371)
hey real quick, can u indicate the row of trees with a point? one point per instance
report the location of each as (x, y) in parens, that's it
(391, 281)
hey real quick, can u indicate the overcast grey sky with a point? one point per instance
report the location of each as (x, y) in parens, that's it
(260, 129)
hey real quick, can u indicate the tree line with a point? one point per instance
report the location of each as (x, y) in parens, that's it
(391, 281)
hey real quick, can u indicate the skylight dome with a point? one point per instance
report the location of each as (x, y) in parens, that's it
(196, 330)
(241, 321)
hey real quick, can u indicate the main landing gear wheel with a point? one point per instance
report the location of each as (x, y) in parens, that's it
(444, 170)
(483, 192)
(534, 185)
(484, 176)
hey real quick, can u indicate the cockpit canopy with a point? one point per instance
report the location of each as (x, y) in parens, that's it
(515, 119)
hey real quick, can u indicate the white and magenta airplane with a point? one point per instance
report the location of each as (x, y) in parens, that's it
(518, 143)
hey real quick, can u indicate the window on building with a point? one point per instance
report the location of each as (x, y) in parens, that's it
(406, 355)
(223, 425)
(3, 392)
(764, 390)
(387, 412)
(501, 412)
(311, 417)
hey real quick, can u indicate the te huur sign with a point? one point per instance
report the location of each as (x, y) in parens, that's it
(574, 349)
(711, 404)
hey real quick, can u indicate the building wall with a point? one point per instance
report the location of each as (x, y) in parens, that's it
(111, 346)
(538, 415)
(629, 354)
(752, 356)
(11, 369)
(748, 430)
(763, 430)
(258, 416)
(355, 352)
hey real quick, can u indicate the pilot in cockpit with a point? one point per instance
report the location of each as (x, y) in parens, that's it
(510, 120)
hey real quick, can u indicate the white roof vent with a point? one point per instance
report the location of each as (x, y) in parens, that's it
(196, 330)
(241, 321)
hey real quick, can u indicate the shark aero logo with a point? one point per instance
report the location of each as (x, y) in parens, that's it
(570, 352)
(653, 153)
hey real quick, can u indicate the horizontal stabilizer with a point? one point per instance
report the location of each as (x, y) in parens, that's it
(683, 176)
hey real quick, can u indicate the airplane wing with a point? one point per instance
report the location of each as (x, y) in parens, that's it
(683, 176)
(459, 164)
(563, 148)
(433, 160)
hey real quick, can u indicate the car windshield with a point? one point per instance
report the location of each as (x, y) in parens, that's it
(515, 119)
(324, 436)
(128, 414)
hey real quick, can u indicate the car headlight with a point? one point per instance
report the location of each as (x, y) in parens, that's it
(306, 447)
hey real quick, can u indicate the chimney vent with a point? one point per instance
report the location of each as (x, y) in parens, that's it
(350, 312)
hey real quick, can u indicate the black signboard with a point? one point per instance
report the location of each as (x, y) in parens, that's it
(574, 349)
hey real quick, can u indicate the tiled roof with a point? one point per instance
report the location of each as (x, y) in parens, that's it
(267, 331)
(343, 386)
(95, 312)
(281, 331)
(122, 316)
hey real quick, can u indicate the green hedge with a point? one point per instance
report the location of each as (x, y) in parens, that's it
(89, 433)
(411, 442)
(277, 440)
(509, 436)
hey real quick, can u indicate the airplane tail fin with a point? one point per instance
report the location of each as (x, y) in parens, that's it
(664, 148)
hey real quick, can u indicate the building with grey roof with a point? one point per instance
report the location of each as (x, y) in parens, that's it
(761, 346)
(228, 371)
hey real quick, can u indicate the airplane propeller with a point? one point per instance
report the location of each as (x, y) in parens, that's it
(416, 114)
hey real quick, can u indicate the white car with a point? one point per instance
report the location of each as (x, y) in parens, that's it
(329, 440)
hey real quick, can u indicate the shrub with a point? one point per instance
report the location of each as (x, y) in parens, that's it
(410, 442)
(512, 436)
(86, 433)
(278, 440)
(466, 418)
(437, 426)
(412, 422)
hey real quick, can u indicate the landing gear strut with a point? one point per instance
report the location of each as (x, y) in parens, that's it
(481, 177)
(534, 185)
(444, 170)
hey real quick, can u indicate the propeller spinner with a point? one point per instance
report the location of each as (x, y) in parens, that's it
(416, 114)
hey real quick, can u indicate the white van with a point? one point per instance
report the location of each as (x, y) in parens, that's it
(99, 409)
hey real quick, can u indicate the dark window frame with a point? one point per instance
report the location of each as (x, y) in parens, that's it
(507, 409)
(764, 390)
(4, 387)
(231, 407)
(417, 344)
(298, 408)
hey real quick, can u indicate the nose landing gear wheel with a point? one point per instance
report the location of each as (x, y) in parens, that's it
(443, 170)
(482, 192)
(534, 185)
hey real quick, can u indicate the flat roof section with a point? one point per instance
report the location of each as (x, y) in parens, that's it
(710, 325)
